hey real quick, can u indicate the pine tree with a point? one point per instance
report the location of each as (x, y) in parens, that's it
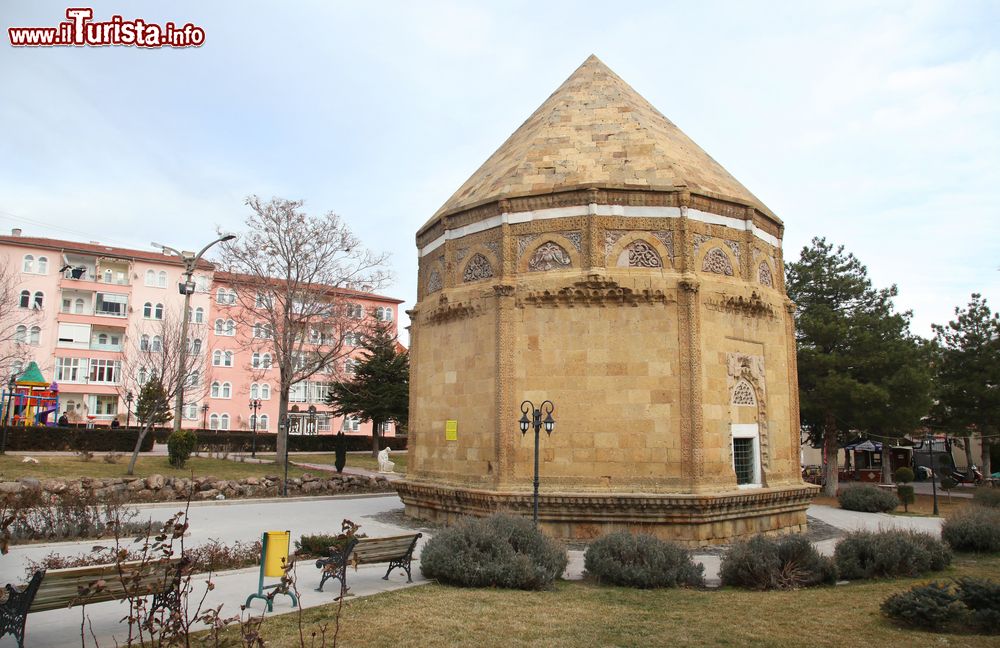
(153, 406)
(380, 389)
(860, 369)
(968, 374)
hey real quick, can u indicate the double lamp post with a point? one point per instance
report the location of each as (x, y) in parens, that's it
(536, 422)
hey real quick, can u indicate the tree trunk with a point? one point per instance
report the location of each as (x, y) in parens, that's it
(830, 466)
(375, 448)
(143, 431)
(281, 445)
(987, 468)
(967, 446)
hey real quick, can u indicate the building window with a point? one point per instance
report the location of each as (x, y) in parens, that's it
(352, 339)
(355, 311)
(158, 312)
(39, 300)
(21, 334)
(161, 279)
(113, 305)
(225, 297)
(34, 336)
(213, 422)
(29, 263)
(224, 422)
(262, 301)
(746, 455)
(106, 405)
(78, 306)
(261, 330)
(147, 310)
(199, 315)
(265, 361)
(105, 371)
(43, 265)
(216, 358)
(156, 346)
(102, 339)
(350, 424)
(216, 390)
(196, 346)
(254, 392)
(191, 411)
(262, 422)
(194, 378)
(350, 366)
(265, 392)
(150, 278)
(25, 299)
(68, 370)
(383, 314)
(227, 390)
(225, 327)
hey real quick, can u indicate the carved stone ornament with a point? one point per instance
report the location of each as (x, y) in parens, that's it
(752, 306)
(523, 242)
(764, 274)
(434, 281)
(446, 311)
(642, 255)
(610, 238)
(745, 368)
(576, 238)
(667, 238)
(716, 261)
(743, 394)
(461, 252)
(479, 268)
(595, 290)
(548, 256)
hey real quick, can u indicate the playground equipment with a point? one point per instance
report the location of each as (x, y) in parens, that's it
(30, 399)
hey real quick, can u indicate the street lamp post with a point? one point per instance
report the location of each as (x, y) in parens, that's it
(128, 407)
(282, 426)
(254, 407)
(11, 385)
(536, 422)
(204, 416)
(186, 288)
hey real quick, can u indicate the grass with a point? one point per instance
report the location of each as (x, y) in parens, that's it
(924, 504)
(69, 467)
(586, 614)
(354, 460)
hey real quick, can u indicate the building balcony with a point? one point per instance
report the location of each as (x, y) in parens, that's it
(94, 319)
(94, 284)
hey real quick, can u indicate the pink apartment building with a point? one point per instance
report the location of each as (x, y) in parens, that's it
(87, 300)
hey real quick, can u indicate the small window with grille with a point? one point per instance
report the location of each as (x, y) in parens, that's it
(746, 455)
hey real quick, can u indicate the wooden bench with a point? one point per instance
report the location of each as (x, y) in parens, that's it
(65, 588)
(395, 550)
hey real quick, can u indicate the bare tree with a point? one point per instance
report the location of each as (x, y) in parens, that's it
(17, 317)
(297, 279)
(153, 353)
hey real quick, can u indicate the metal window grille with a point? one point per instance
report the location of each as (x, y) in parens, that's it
(743, 460)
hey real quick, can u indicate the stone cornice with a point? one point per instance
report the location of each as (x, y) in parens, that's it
(752, 306)
(446, 311)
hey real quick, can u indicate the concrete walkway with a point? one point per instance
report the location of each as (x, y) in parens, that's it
(244, 520)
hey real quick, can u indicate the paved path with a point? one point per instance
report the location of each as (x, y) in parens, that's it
(244, 520)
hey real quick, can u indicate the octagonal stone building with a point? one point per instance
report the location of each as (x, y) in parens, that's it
(602, 260)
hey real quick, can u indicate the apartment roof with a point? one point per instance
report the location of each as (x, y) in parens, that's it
(98, 249)
(229, 277)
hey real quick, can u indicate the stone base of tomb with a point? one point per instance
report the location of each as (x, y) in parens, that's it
(692, 520)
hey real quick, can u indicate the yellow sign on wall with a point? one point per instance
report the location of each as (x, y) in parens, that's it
(451, 430)
(275, 552)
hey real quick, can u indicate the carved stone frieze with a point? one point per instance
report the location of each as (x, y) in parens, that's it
(493, 246)
(699, 240)
(549, 256)
(752, 306)
(446, 311)
(523, 242)
(576, 238)
(764, 274)
(667, 238)
(610, 238)
(461, 252)
(595, 290)
(479, 268)
(735, 247)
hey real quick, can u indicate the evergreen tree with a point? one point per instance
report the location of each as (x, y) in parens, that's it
(153, 406)
(968, 374)
(860, 369)
(380, 389)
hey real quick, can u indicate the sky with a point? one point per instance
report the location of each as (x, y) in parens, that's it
(874, 124)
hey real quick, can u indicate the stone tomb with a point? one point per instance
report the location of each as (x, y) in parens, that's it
(602, 260)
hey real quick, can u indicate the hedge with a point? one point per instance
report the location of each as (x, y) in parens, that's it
(98, 439)
(266, 442)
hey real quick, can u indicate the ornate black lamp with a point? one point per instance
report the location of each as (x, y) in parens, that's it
(536, 422)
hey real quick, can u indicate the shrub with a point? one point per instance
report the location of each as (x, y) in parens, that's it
(214, 441)
(982, 597)
(498, 551)
(973, 528)
(641, 560)
(180, 445)
(927, 606)
(971, 603)
(776, 563)
(72, 439)
(867, 499)
(988, 497)
(903, 475)
(319, 544)
(867, 554)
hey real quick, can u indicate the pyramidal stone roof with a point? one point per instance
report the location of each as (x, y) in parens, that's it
(596, 131)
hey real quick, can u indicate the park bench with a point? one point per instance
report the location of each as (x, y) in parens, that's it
(64, 588)
(395, 550)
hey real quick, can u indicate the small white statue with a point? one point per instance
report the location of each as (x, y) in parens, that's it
(29, 460)
(384, 465)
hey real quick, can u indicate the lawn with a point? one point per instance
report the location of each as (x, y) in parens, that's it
(68, 467)
(586, 614)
